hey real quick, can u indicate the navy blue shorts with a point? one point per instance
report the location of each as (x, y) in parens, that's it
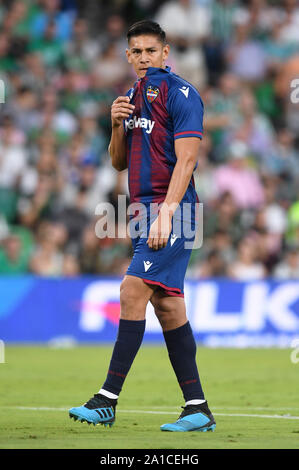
(167, 266)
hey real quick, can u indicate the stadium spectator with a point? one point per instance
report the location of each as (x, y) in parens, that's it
(213, 266)
(222, 110)
(13, 160)
(48, 258)
(85, 193)
(260, 15)
(110, 70)
(223, 215)
(290, 22)
(246, 267)
(49, 11)
(40, 189)
(203, 175)
(252, 127)
(275, 216)
(276, 50)
(114, 34)
(238, 178)
(222, 242)
(48, 47)
(7, 62)
(223, 13)
(81, 49)
(288, 268)
(268, 243)
(13, 259)
(245, 56)
(284, 158)
(23, 110)
(90, 252)
(186, 25)
(70, 265)
(17, 18)
(61, 78)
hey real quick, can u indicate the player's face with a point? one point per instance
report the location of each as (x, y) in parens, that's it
(146, 51)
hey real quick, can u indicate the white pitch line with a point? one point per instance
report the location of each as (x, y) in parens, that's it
(248, 407)
(257, 416)
(215, 414)
(44, 408)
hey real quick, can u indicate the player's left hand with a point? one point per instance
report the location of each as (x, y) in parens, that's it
(159, 232)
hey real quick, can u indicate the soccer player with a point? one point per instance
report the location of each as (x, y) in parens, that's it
(156, 132)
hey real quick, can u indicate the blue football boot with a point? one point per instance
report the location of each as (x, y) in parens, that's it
(98, 410)
(193, 418)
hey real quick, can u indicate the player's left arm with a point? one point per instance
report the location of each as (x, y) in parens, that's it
(186, 150)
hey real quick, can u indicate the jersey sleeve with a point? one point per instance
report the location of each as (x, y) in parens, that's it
(186, 109)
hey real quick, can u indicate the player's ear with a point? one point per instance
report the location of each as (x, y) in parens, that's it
(166, 49)
(128, 54)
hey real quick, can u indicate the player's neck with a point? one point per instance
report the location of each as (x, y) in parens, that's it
(163, 67)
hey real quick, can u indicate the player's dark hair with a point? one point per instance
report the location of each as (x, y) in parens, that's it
(147, 27)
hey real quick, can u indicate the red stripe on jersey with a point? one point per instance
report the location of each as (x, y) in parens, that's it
(136, 151)
(160, 171)
(188, 132)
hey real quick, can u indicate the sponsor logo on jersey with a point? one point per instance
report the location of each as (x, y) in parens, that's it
(140, 122)
(151, 93)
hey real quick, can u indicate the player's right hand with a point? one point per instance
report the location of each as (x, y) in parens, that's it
(121, 109)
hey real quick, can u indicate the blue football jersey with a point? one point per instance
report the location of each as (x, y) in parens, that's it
(167, 108)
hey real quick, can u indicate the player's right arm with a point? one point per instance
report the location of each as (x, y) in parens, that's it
(120, 110)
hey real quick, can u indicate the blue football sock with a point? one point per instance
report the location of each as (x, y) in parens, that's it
(128, 342)
(181, 348)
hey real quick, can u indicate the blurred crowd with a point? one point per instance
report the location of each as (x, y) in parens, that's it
(63, 63)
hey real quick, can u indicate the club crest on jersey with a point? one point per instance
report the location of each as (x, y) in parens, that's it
(151, 93)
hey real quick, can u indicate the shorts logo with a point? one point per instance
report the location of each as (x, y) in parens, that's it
(147, 265)
(152, 93)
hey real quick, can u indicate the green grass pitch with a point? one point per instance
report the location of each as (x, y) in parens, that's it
(253, 394)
